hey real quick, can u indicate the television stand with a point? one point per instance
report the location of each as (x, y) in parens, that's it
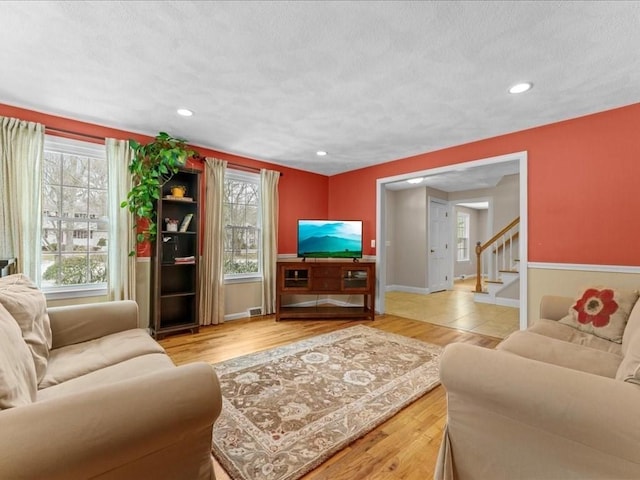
(302, 278)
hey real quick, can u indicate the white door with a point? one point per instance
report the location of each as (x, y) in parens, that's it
(439, 248)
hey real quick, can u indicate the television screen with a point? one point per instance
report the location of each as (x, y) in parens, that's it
(330, 238)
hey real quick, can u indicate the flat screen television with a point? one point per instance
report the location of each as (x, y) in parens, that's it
(330, 239)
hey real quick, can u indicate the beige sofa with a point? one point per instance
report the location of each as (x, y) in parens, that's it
(84, 393)
(551, 402)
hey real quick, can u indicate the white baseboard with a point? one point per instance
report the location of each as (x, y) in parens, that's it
(508, 302)
(404, 288)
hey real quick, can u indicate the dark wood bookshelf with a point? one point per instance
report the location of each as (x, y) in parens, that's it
(175, 285)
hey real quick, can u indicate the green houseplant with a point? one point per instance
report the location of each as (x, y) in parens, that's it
(152, 166)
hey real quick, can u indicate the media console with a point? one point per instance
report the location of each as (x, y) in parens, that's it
(325, 278)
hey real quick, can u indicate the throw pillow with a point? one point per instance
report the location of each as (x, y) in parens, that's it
(28, 306)
(602, 311)
(17, 372)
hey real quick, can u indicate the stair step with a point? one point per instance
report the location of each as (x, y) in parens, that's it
(508, 271)
(500, 282)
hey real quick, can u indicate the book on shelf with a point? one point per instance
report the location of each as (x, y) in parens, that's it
(190, 259)
(185, 222)
(183, 199)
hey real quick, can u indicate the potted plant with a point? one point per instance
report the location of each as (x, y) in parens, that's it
(152, 166)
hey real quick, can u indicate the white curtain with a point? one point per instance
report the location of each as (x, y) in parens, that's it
(269, 202)
(121, 276)
(21, 156)
(212, 265)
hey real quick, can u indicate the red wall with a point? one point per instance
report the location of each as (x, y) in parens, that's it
(301, 194)
(583, 177)
(583, 182)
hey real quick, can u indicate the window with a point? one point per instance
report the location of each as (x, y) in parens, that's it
(242, 244)
(462, 237)
(75, 221)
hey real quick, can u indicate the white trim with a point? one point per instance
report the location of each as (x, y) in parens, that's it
(62, 293)
(406, 289)
(507, 302)
(583, 267)
(243, 278)
(76, 147)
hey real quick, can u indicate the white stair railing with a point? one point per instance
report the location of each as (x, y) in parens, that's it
(501, 247)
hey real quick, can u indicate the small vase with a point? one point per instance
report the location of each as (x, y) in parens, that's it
(178, 192)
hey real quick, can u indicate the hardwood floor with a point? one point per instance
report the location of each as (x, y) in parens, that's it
(404, 447)
(455, 308)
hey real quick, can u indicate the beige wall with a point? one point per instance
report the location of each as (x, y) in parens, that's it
(407, 213)
(505, 200)
(550, 280)
(406, 228)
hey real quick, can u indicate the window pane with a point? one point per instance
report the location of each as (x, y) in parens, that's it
(75, 171)
(241, 220)
(75, 220)
(462, 233)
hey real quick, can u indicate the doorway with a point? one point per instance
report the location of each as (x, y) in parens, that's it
(463, 172)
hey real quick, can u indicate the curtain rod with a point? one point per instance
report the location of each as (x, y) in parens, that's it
(238, 166)
(197, 156)
(76, 134)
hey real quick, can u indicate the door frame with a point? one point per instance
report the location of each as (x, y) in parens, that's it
(381, 230)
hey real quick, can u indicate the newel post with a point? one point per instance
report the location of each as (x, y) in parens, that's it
(478, 268)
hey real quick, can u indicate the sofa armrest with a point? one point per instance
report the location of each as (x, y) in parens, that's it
(553, 307)
(153, 426)
(512, 417)
(79, 323)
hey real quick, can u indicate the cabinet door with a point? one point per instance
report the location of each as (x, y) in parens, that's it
(295, 278)
(355, 279)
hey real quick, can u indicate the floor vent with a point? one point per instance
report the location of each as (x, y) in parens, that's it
(255, 311)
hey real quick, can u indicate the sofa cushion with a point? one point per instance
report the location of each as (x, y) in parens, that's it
(28, 306)
(133, 367)
(629, 370)
(602, 311)
(633, 326)
(564, 354)
(79, 359)
(560, 331)
(17, 372)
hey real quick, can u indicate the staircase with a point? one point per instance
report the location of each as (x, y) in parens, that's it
(497, 265)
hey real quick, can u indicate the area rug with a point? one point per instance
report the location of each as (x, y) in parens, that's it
(288, 409)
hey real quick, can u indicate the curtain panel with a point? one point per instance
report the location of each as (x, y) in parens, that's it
(121, 273)
(21, 157)
(269, 203)
(212, 264)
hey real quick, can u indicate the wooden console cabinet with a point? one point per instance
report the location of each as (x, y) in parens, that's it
(325, 278)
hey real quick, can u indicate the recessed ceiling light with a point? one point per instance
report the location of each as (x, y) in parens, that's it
(185, 112)
(415, 180)
(521, 87)
(321, 153)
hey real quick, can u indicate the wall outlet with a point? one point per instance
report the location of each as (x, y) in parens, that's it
(373, 244)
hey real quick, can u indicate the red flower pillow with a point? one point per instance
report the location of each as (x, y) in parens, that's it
(602, 311)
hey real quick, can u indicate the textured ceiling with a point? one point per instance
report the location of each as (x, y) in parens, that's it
(369, 82)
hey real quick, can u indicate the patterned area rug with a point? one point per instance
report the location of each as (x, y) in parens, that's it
(288, 409)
